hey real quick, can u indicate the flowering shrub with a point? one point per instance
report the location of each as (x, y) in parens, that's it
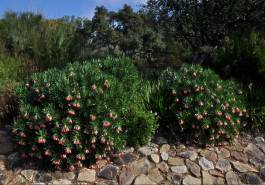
(201, 106)
(73, 116)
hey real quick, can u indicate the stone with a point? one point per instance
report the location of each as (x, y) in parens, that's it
(164, 148)
(223, 165)
(29, 174)
(216, 173)
(163, 167)
(261, 146)
(141, 166)
(205, 164)
(86, 175)
(189, 180)
(259, 140)
(108, 172)
(239, 156)
(219, 181)
(161, 140)
(155, 176)
(61, 182)
(254, 152)
(237, 147)
(69, 175)
(125, 159)
(13, 160)
(241, 167)
(192, 155)
(18, 179)
(194, 168)
(252, 178)
(126, 177)
(146, 150)
(223, 153)
(257, 163)
(44, 177)
(179, 169)
(164, 156)
(262, 172)
(155, 158)
(143, 179)
(207, 178)
(232, 178)
(175, 161)
(176, 178)
(210, 155)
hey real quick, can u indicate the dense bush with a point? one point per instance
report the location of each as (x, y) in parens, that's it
(85, 112)
(199, 106)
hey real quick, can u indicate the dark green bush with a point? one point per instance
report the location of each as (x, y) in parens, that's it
(197, 105)
(84, 112)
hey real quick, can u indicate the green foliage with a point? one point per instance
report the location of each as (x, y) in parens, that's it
(257, 110)
(9, 73)
(84, 112)
(199, 106)
(242, 57)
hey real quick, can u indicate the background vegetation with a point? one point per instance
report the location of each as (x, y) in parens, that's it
(226, 36)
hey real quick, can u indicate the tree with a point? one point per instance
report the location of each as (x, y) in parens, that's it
(207, 23)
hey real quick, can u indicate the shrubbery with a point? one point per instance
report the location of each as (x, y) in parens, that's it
(84, 112)
(199, 106)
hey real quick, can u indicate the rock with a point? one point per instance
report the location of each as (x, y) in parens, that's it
(86, 175)
(155, 176)
(262, 172)
(146, 150)
(175, 161)
(261, 146)
(126, 177)
(164, 156)
(252, 179)
(18, 179)
(108, 172)
(70, 175)
(143, 179)
(232, 178)
(192, 155)
(164, 148)
(125, 159)
(61, 182)
(44, 177)
(259, 140)
(257, 163)
(189, 180)
(223, 153)
(205, 164)
(239, 156)
(2, 163)
(223, 165)
(141, 166)
(179, 169)
(241, 167)
(219, 181)
(254, 152)
(29, 174)
(193, 168)
(13, 160)
(163, 167)
(176, 178)
(207, 178)
(237, 147)
(155, 158)
(216, 173)
(161, 140)
(210, 155)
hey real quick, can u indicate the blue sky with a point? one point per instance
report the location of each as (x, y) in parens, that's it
(59, 8)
